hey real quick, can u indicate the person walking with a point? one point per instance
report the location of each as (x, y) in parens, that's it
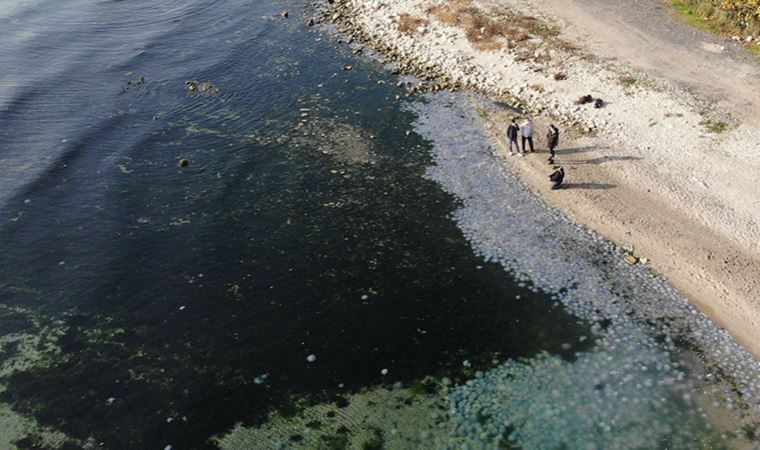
(526, 130)
(512, 131)
(556, 178)
(552, 141)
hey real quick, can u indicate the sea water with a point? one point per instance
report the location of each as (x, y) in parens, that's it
(332, 268)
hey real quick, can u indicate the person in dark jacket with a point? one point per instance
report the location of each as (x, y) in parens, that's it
(557, 177)
(512, 131)
(552, 141)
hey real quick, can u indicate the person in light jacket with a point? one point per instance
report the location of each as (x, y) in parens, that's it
(552, 141)
(526, 130)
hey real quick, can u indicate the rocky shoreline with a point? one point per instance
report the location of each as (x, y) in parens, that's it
(545, 58)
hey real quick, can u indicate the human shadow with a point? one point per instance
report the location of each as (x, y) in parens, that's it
(570, 151)
(599, 186)
(602, 159)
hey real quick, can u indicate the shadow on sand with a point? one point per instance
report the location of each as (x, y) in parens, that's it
(600, 186)
(571, 151)
(602, 159)
(598, 160)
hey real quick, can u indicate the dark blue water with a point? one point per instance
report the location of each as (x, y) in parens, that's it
(168, 290)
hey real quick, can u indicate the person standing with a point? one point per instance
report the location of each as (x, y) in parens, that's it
(512, 131)
(526, 130)
(552, 141)
(556, 178)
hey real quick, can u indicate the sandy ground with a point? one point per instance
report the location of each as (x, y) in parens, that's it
(644, 171)
(646, 36)
(722, 278)
(703, 265)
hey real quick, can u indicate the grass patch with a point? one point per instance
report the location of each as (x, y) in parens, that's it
(483, 32)
(589, 57)
(729, 18)
(689, 14)
(627, 81)
(715, 126)
(489, 30)
(498, 28)
(754, 50)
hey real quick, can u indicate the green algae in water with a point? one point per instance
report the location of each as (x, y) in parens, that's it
(36, 348)
(515, 405)
(18, 431)
(19, 290)
(379, 417)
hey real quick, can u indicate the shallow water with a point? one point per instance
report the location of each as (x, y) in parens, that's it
(143, 304)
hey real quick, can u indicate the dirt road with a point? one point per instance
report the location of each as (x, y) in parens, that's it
(644, 34)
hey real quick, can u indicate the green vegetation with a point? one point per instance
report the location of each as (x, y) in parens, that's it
(627, 81)
(715, 127)
(740, 17)
(691, 15)
(754, 50)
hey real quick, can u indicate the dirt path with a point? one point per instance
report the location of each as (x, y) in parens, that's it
(645, 35)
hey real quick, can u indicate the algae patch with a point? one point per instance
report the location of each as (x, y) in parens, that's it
(347, 143)
(380, 417)
(15, 429)
(20, 351)
(23, 351)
